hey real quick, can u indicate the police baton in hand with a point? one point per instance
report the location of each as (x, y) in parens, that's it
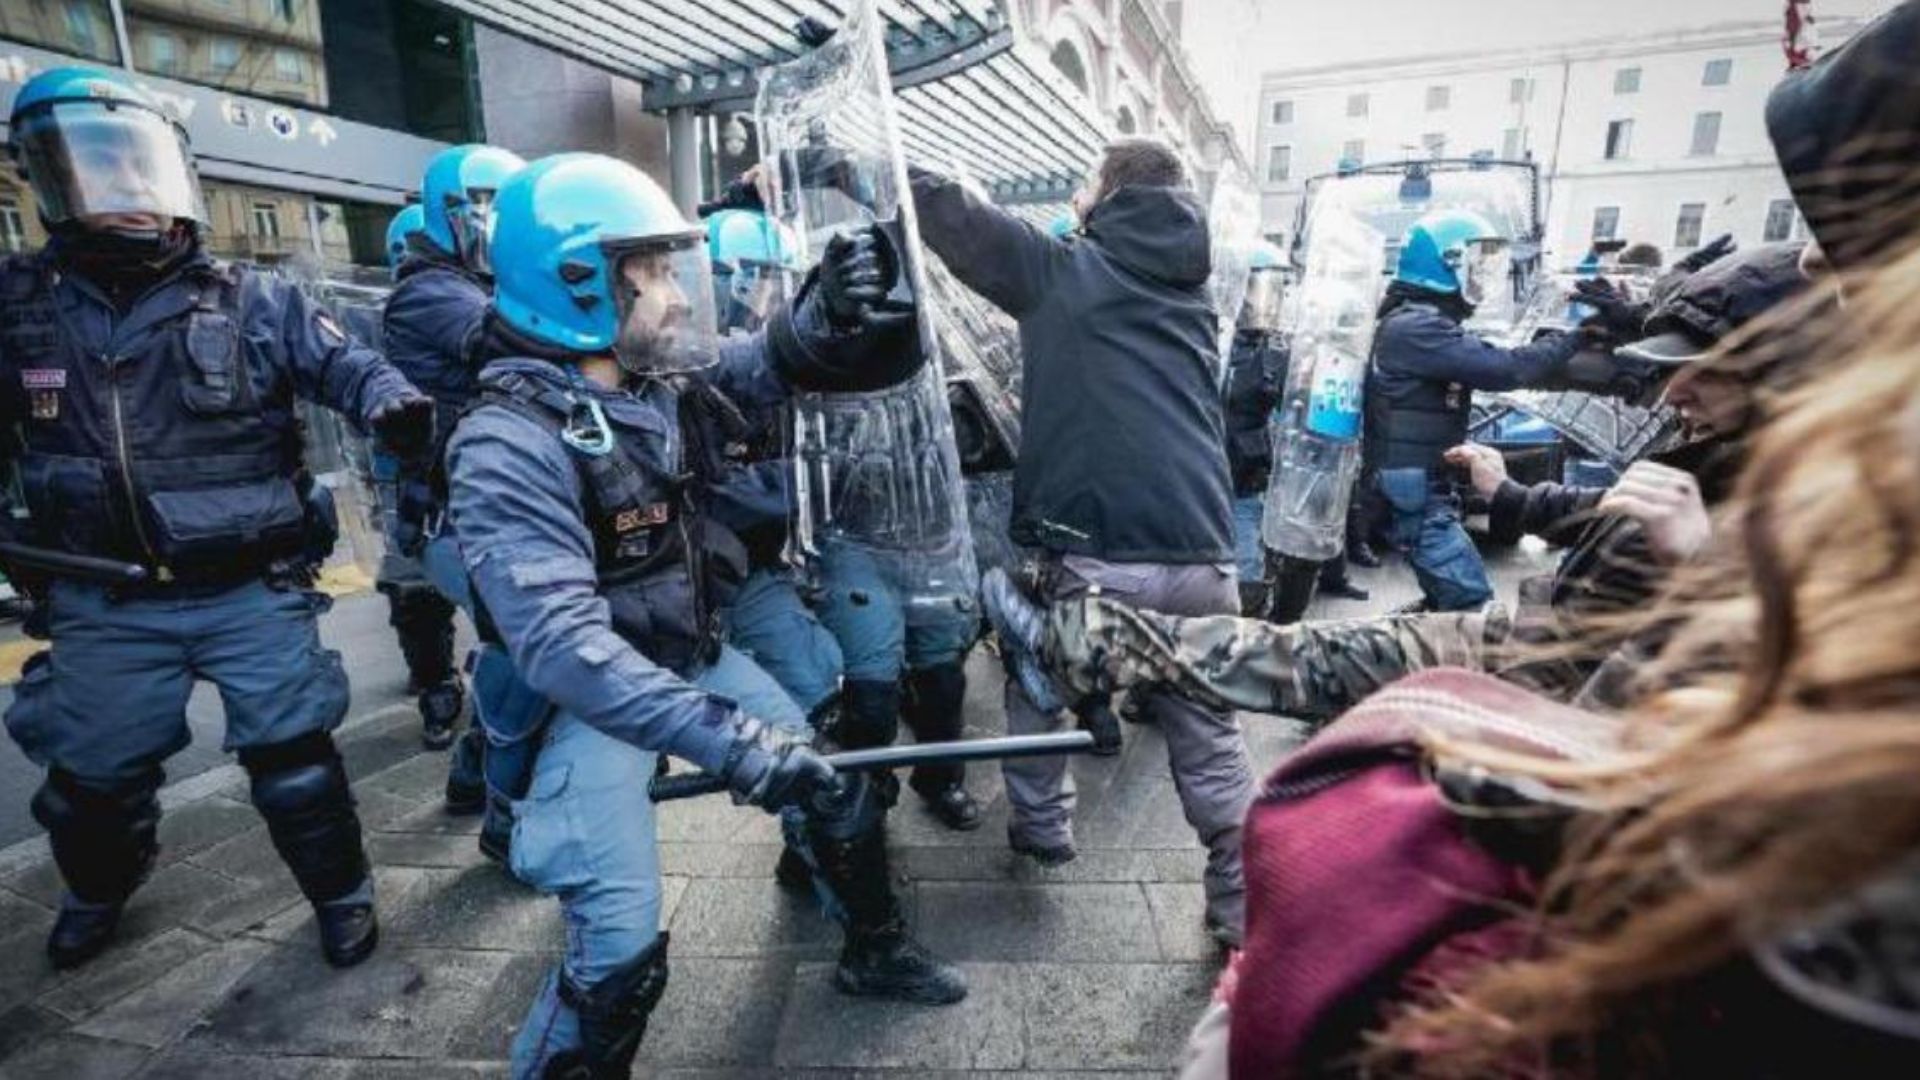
(692, 785)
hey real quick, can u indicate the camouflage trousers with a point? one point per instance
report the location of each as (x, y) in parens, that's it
(1307, 670)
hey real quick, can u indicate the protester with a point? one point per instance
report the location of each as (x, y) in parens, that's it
(1117, 338)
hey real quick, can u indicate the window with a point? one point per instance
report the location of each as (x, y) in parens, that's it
(1626, 81)
(81, 28)
(1282, 112)
(1706, 134)
(1606, 222)
(1359, 104)
(163, 53)
(288, 66)
(1067, 59)
(1436, 144)
(1686, 231)
(80, 33)
(1718, 73)
(1780, 214)
(266, 220)
(223, 54)
(1619, 139)
(1279, 164)
(1512, 144)
(1355, 151)
(288, 10)
(1124, 122)
(1439, 97)
(1519, 91)
(13, 227)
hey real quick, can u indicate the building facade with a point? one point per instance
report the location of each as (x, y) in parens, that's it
(1180, 71)
(1659, 138)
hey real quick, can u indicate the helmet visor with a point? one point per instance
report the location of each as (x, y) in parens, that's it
(663, 296)
(89, 158)
(754, 291)
(1261, 309)
(472, 225)
(1484, 270)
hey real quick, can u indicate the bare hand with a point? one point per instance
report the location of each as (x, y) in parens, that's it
(1667, 504)
(1486, 469)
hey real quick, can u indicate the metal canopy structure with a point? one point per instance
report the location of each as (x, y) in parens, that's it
(971, 97)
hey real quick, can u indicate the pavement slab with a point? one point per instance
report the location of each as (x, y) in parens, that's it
(1094, 970)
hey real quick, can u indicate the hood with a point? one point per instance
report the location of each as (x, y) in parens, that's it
(1847, 133)
(1159, 232)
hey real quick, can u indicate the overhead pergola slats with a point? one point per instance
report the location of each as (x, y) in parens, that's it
(970, 97)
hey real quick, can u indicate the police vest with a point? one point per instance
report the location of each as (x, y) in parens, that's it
(1412, 421)
(168, 448)
(649, 538)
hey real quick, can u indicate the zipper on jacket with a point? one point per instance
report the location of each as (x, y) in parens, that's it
(134, 512)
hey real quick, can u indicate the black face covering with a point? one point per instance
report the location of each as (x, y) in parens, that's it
(123, 263)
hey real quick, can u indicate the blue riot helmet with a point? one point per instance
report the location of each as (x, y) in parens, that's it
(410, 220)
(1454, 251)
(1266, 288)
(752, 256)
(458, 193)
(593, 256)
(99, 150)
(1062, 224)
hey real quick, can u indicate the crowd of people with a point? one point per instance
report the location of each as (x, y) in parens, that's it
(1658, 818)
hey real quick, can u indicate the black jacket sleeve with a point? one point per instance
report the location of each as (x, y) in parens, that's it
(1554, 512)
(992, 252)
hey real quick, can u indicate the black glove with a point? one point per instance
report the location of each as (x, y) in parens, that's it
(1718, 248)
(404, 426)
(1621, 316)
(737, 195)
(856, 275)
(773, 770)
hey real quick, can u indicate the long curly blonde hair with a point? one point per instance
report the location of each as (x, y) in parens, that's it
(1776, 767)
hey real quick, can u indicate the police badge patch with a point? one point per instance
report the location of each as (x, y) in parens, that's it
(43, 387)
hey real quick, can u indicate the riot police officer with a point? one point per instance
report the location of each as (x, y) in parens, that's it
(1420, 386)
(151, 389)
(585, 538)
(1256, 379)
(434, 329)
(422, 619)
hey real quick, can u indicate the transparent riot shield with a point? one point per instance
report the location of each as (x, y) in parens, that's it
(1233, 224)
(876, 475)
(1316, 426)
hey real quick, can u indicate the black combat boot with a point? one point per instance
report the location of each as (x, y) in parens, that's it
(104, 841)
(440, 707)
(613, 1017)
(880, 959)
(466, 775)
(934, 700)
(422, 620)
(300, 788)
(496, 829)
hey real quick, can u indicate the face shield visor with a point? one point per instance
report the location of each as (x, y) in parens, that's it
(472, 225)
(1485, 270)
(91, 158)
(750, 293)
(1266, 290)
(663, 297)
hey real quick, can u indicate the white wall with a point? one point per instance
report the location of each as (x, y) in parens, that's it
(1564, 126)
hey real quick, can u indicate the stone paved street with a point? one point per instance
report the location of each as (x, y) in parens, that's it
(1094, 969)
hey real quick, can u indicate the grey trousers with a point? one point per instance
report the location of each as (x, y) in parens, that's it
(1207, 753)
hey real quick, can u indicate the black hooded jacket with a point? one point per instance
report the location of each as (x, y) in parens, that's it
(1847, 132)
(1122, 445)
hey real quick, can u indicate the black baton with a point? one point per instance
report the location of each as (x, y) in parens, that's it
(68, 565)
(691, 785)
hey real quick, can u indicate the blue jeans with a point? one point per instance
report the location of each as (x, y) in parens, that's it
(109, 701)
(1249, 554)
(774, 627)
(586, 834)
(1426, 527)
(878, 636)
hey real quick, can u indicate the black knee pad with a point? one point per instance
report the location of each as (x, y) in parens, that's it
(300, 788)
(869, 714)
(613, 1016)
(103, 836)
